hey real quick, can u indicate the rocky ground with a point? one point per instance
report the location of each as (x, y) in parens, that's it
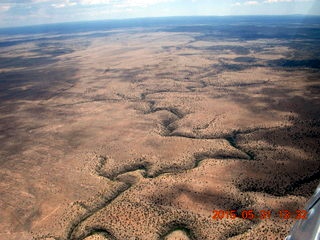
(142, 134)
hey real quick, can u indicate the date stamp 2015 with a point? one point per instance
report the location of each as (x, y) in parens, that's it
(262, 214)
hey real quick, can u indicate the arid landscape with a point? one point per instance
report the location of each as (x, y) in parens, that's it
(140, 132)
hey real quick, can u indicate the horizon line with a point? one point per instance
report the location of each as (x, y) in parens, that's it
(158, 17)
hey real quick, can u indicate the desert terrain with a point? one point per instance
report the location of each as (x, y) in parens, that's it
(142, 132)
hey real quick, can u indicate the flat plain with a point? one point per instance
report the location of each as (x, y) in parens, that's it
(142, 131)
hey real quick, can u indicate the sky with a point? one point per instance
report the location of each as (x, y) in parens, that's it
(33, 12)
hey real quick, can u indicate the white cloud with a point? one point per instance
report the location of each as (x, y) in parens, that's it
(111, 4)
(64, 3)
(40, 1)
(4, 8)
(94, 2)
(145, 2)
(251, 3)
(277, 1)
(58, 5)
(138, 3)
(236, 4)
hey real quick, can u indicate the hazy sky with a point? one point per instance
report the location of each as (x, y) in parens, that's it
(27, 12)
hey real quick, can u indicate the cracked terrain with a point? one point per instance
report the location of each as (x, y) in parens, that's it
(141, 134)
